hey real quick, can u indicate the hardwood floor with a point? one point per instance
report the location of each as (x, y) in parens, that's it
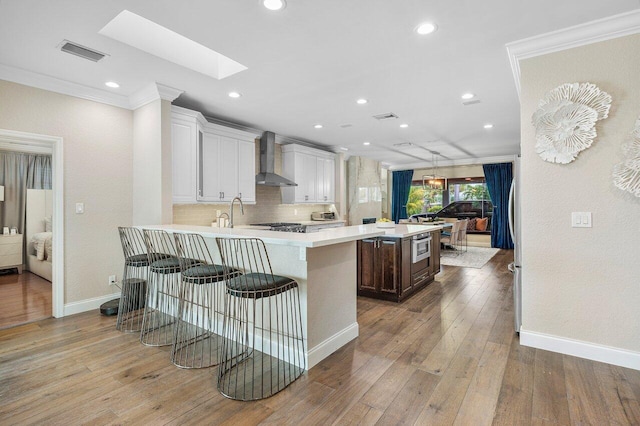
(23, 298)
(448, 355)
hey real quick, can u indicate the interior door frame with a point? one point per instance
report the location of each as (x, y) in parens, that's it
(8, 137)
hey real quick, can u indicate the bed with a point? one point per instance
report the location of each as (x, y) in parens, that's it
(39, 233)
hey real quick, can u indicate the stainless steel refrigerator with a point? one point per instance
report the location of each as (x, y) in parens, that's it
(515, 229)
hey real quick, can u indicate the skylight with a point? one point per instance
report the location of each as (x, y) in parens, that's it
(159, 41)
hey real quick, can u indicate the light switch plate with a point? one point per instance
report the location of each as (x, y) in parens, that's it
(79, 208)
(581, 219)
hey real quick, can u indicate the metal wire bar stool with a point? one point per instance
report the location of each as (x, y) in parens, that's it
(201, 305)
(161, 307)
(263, 340)
(134, 280)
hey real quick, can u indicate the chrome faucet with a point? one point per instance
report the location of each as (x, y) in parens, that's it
(231, 210)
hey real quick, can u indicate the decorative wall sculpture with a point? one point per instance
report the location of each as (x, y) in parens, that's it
(565, 120)
(626, 175)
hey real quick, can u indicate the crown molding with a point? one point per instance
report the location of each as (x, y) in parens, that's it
(52, 84)
(615, 26)
(152, 92)
(147, 94)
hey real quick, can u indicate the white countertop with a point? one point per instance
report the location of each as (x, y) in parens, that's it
(406, 230)
(322, 238)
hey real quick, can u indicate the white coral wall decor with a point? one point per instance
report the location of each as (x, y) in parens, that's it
(565, 120)
(626, 175)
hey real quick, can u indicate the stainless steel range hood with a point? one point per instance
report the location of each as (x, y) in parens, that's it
(267, 163)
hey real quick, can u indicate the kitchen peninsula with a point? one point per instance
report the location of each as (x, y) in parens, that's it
(324, 264)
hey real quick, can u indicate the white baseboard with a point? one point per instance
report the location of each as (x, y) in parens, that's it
(88, 304)
(332, 344)
(607, 354)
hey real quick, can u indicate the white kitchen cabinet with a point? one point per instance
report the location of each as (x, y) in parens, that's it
(183, 156)
(325, 170)
(217, 168)
(211, 163)
(314, 172)
(247, 171)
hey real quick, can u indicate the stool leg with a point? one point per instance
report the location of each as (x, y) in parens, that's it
(263, 345)
(160, 310)
(196, 345)
(132, 299)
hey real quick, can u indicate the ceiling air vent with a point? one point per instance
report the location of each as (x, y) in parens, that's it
(83, 52)
(346, 126)
(385, 116)
(471, 102)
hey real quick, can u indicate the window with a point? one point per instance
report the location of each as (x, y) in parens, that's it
(459, 189)
(468, 189)
(423, 201)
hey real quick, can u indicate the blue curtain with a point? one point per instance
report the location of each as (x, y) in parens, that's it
(400, 193)
(499, 177)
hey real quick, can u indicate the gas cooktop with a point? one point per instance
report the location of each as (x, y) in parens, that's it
(277, 224)
(283, 226)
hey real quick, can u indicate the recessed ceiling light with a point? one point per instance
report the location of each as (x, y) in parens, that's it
(488, 126)
(274, 4)
(426, 28)
(112, 84)
(318, 126)
(467, 96)
(404, 125)
(366, 143)
(362, 101)
(234, 95)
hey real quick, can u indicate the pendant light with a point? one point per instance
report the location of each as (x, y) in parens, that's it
(433, 181)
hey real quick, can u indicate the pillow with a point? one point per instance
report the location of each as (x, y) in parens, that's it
(47, 224)
(481, 224)
(471, 225)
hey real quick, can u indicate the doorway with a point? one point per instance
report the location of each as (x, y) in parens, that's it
(11, 140)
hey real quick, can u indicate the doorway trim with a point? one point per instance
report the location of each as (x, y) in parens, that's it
(57, 180)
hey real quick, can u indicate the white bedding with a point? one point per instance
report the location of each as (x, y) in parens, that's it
(42, 245)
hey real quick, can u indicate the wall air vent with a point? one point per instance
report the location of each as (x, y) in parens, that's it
(385, 116)
(83, 52)
(471, 102)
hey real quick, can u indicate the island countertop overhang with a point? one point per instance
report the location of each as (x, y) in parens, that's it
(321, 238)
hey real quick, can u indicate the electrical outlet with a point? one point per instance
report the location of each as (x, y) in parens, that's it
(112, 279)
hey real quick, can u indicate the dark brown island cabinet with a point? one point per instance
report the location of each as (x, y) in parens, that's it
(386, 269)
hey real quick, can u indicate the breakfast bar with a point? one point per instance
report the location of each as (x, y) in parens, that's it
(324, 264)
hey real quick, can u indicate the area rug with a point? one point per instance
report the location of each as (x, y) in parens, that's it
(474, 257)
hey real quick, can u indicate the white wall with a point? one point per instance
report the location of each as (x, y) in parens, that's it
(582, 283)
(152, 164)
(97, 172)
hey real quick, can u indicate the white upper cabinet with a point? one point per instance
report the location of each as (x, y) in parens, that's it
(326, 185)
(183, 156)
(314, 172)
(211, 163)
(247, 170)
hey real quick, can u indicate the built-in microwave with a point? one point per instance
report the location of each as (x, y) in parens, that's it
(420, 247)
(323, 216)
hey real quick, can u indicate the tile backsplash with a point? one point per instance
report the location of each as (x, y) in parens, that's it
(268, 208)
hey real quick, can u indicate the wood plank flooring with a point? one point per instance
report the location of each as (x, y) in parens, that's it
(24, 298)
(447, 355)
